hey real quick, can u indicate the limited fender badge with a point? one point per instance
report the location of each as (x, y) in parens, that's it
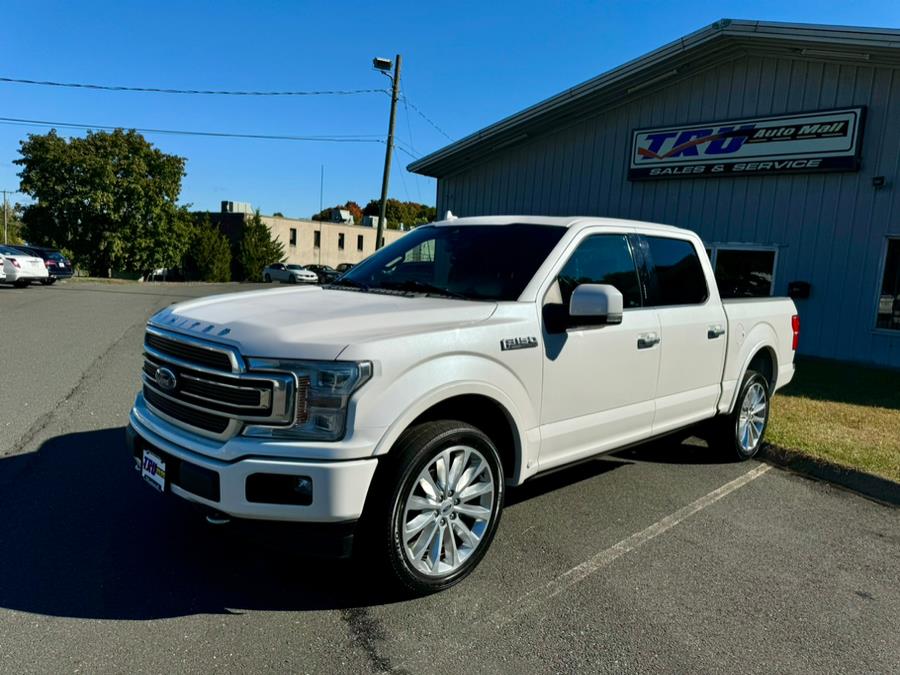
(518, 343)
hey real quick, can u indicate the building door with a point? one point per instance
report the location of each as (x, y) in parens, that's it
(599, 382)
(692, 333)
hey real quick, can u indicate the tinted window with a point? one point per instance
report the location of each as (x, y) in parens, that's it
(679, 276)
(742, 273)
(481, 262)
(602, 259)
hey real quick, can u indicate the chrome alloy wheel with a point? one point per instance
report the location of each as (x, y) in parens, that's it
(448, 510)
(752, 418)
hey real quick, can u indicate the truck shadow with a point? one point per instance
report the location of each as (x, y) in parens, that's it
(81, 536)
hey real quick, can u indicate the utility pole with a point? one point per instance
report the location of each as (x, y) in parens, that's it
(5, 226)
(382, 209)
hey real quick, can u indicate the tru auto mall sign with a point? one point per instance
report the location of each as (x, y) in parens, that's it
(828, 140)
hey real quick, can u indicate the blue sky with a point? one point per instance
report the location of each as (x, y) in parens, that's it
(465, 65)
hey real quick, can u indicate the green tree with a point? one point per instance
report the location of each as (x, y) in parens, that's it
(209, 255)
(110, 198)
(351, 206)
(13, 223)
(397, 212)
(257, 249)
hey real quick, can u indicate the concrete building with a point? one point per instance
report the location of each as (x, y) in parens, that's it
(749, 133)
(308, 242)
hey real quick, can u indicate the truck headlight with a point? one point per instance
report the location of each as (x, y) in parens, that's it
(322, 394)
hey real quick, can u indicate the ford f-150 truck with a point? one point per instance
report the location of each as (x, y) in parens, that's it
(395, 406)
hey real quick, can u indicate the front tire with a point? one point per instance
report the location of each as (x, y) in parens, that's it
(436, 506)
(742, 431)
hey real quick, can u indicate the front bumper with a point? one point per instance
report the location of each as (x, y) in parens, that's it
(339, 488)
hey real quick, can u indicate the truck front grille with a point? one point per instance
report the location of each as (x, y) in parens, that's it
(213, 402)
(203, 356)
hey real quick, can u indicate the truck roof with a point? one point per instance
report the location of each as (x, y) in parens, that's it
(560, 221)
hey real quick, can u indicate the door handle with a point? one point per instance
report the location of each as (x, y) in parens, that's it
(712, 332)
(647, 340)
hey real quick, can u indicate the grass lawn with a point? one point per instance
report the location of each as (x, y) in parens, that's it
(844, 413)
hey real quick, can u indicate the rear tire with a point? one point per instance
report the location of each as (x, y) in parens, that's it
(268, 279)
(21, 283)
(434, 508)
(741, 432)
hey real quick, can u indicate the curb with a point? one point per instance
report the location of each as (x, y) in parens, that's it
(874, 487)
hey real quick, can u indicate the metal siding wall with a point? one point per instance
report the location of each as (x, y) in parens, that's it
(830, 227)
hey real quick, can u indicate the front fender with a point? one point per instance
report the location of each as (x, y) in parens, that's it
(437, 380)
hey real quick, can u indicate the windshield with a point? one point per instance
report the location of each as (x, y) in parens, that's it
(295, 267)
(477, 262)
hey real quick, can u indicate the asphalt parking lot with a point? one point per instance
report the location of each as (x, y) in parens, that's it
(660, 558)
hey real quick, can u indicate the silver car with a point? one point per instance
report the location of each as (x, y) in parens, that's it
(292, 274)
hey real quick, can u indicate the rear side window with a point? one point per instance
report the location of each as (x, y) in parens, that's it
(602, 259)
(678, 278)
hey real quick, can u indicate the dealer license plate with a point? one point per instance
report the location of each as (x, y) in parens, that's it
(153, 470)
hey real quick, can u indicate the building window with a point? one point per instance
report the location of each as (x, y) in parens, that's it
(317, 238)
(359, 242)
(678, 277)
(889, 298)
(744, 271)
(293, 239)
(341, 241)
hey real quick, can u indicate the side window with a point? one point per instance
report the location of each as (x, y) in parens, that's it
(679, 278)
(602, 259)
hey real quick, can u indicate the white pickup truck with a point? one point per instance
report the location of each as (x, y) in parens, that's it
(399, 402)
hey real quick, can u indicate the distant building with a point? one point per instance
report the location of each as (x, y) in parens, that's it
(341, 216)
(306, 242)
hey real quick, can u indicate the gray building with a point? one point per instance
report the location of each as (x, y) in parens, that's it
(778, 143)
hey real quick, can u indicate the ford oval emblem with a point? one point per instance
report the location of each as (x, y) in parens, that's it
(165, 378)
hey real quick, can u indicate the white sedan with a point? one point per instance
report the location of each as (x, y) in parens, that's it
(21, 268)
(292, 274)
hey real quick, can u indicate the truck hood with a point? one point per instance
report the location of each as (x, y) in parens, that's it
(314, 323)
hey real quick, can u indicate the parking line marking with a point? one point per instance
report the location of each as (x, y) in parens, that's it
(571, 577)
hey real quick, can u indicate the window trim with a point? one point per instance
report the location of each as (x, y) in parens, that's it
(879, 280)
(744, 246)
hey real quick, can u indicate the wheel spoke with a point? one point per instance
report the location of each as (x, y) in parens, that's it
(451, 553)
(428, 485)
(437, 545)
(424, 541)
(417, 524)
(456, 468)
(441, 467)
(473, 511)
(475, 490)
(470, 474)
(756, 410)
(417, 503)
(468, 537)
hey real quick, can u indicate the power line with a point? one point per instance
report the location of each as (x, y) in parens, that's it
(427, 119)
(202, 92)
(353, 138)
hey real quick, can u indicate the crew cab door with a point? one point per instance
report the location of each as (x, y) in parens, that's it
(599, 382)
(692, 330)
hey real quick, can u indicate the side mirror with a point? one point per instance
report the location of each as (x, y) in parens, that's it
(595, 305)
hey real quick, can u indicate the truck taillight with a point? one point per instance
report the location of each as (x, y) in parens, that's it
(15, 263)
(795, 326)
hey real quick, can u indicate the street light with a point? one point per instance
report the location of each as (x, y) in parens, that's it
(383, 66)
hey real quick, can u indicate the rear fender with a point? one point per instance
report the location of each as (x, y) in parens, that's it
(762, 335)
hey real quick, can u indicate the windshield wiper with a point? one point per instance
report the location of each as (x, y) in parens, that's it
(422, 287)
(347, 283)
